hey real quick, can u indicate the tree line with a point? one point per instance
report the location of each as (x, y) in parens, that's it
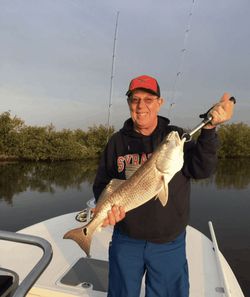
(23, 142)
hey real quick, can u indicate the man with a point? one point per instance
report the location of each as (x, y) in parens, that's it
(150, 239)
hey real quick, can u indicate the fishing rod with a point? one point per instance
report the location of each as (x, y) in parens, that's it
(112, 73)
(206, 119)
(182, 57)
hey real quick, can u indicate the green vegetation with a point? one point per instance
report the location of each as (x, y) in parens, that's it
(234, 141)
(22, 142)
(234, 174)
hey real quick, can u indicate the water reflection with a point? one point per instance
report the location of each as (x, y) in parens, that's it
(233, 174)
(44, 177)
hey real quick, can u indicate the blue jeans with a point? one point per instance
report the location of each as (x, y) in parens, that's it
(164, 265)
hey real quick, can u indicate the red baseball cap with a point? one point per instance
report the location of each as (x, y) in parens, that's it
(146, 82)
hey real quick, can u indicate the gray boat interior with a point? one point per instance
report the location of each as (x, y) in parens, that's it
(88, 273)
(8, 282)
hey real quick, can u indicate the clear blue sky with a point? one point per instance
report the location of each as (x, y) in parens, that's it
(55, 58)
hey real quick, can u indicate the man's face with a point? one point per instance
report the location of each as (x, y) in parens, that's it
(144, 108)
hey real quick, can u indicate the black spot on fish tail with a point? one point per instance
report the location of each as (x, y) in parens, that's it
(85, 231)
(82, 236)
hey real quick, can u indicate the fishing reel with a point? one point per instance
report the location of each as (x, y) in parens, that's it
(85, 216)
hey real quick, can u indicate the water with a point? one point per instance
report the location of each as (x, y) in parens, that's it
(32, 192)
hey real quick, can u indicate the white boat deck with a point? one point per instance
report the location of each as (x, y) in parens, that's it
(62, 278)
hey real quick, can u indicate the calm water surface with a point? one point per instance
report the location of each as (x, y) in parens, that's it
(32, 192)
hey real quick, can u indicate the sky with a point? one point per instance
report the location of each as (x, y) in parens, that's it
(56, 57)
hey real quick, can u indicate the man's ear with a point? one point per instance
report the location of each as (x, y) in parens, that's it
(161, 101)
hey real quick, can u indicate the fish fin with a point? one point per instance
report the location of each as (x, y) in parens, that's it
(110, 188)
(82, 236)
(130, 170)
(163, 194)
(114, 184)
(99, 229)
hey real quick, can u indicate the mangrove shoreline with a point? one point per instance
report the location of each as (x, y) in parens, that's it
(19, 142)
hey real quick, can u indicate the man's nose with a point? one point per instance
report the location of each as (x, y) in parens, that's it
(141, 103)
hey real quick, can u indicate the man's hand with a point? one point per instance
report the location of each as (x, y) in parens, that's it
(221, 112)
(115, 215)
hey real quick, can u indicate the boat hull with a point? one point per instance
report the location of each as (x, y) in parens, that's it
(68, 274)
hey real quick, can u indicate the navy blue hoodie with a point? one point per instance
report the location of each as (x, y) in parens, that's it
(152, 221)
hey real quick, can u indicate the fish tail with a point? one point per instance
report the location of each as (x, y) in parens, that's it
(82, 236)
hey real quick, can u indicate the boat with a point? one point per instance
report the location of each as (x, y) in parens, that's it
(37, 261)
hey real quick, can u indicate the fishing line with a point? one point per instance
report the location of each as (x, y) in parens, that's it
(183, 51)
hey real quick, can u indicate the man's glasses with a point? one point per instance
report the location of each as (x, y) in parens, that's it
(147, 101)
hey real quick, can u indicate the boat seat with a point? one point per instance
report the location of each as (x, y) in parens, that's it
(8, 282)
